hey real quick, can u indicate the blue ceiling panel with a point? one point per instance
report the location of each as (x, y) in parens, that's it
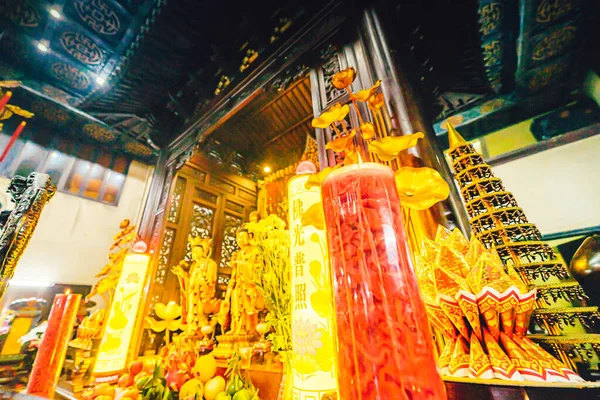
(105, 18)
(79, 45)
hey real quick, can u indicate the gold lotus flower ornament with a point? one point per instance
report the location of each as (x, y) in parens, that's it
(420, 188)
(376, 101)
(341, 143)
(336, 113)
(365, 94)
(315, 180)
(343, 79)
(389, 147)
(169, 314)
(367, 130)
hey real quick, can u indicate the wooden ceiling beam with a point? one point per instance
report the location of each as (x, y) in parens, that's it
(296, 125)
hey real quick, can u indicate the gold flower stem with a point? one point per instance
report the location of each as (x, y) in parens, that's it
(355, 104)
(345, 127)
(335, 129)
(379, 131)
(381, 120)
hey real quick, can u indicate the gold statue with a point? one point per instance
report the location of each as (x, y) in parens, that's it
(242, 300)
(197, 282)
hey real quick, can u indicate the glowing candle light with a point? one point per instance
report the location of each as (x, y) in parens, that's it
(313, 360)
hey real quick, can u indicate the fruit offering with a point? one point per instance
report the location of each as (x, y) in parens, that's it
(385, 348)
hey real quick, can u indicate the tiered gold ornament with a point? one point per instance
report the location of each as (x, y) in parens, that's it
(499, 223)
(483, 312)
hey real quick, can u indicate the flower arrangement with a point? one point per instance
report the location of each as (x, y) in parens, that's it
(273, 279)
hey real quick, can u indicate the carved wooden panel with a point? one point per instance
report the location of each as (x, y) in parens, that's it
(204, 203)
(229, 245)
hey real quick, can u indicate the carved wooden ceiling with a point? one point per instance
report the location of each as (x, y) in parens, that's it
(136, 69)
(272, 128)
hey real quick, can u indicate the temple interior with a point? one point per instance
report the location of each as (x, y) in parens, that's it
(299, 200)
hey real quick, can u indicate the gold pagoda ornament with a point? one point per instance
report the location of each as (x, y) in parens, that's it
(499, 223)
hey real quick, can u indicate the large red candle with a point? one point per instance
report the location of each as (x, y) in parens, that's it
(51, 355)
(385, 348)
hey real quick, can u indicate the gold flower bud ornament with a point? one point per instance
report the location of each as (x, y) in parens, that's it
(344, 78)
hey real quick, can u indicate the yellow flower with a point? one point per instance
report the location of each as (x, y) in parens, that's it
(344, 78)
(376, 101)
(364, 94)
(169, 314)
(19, 111)
(342, 143)
(367, 131)
(337, 112)
(318, 178)
(420, 188)
(389, 147)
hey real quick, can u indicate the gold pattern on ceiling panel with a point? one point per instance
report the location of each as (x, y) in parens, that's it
(490, 16)
(554, 43)
(49, 112)
(551, 10)
(99, 133)
(137, 149)
(99, 16)
(82, 48)
(22, 13)
(70, 76)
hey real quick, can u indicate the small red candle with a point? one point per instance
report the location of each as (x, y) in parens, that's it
(13, 139)
(385, 347)
(4, 100)
(49, 360)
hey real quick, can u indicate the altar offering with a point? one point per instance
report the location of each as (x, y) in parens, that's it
(483, 310)
(384, 343)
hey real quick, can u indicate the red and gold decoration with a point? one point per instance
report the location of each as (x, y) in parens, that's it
(49, 361)
(384, 344)
(313, 354)
(483, 311)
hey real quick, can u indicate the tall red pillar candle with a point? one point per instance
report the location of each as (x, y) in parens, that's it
(49, 360)
(384, 344)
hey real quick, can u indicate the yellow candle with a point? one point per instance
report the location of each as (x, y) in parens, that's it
(313, 361)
